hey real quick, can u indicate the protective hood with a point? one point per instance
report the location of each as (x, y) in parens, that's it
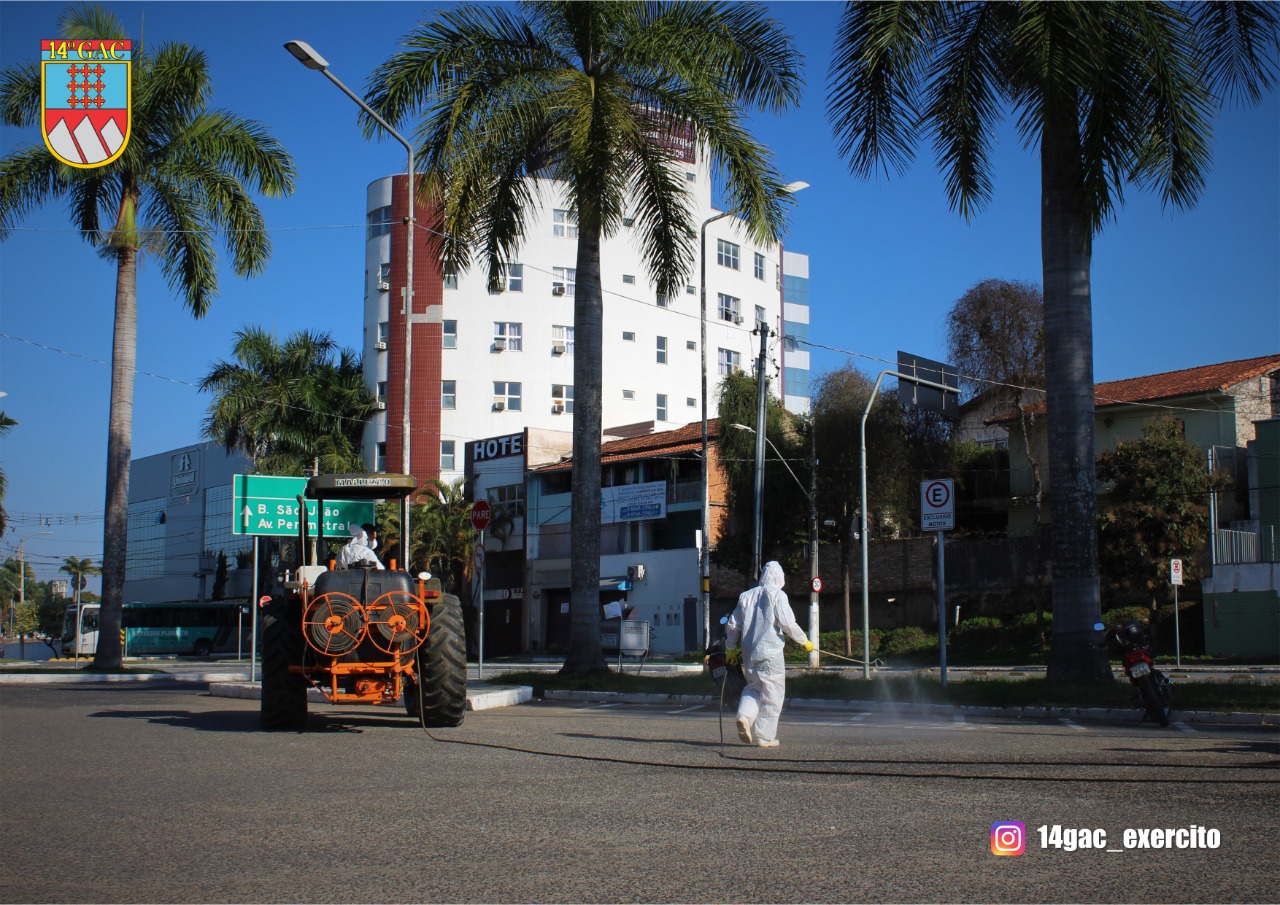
(359, 534)
(772, 576)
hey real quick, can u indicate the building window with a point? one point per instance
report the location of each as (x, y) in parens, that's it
(690, 290)
(691, 345)
(661, 409)
(446, 454)
(727, 254)
(628, 336)
(384, 277)
(629, 279)
(662, 350)
(146, 539)
(379, 222)
(691, 401)
(690, 176)
(730, 308)
(448, 395)
(384, 330)
(449, 337)
(513, 277)
(382, 391)
(564, 225)
(759, 269)
(507, 336)
(451, 279)
(562, 394)
(628, 394)
(664, 300)
(562, 336)
(507, 394)
(564, 277)
(759, 315)
(507, 501)
(728, 361)
(380, 458)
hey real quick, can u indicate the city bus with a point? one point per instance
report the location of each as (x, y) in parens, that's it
(162, 628)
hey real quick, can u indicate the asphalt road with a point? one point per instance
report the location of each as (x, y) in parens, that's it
(159, 793)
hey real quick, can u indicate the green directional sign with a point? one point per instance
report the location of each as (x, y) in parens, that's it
(267, 505)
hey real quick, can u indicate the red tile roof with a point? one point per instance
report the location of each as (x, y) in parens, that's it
(1171, 384)
(665, 443)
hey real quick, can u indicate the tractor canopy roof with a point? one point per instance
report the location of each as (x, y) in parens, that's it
(360, 487)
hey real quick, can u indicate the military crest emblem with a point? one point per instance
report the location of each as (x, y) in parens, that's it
(85, 94)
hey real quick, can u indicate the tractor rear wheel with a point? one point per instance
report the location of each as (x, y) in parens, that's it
(284, 693)
(442, 668)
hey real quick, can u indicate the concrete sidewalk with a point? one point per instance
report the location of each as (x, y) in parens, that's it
(480, 695)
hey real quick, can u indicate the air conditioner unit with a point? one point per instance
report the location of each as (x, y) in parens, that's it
(737, 318)
(380, 405)
(499, 345)
(384, 286)
(636, 572)
(557, 408)
(558, 348)
(557, 288)
(381, 345)
(499, 406)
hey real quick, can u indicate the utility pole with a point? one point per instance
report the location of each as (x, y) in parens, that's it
(761, 392)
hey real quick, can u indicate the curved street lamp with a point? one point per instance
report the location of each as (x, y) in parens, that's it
(307, 56)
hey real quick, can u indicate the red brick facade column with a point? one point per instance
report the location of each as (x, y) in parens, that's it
(424, 409)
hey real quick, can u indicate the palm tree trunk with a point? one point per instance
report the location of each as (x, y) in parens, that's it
(1066, 241)
(115, 537)
(584, 653)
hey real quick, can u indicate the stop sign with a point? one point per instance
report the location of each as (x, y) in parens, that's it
(480, 514)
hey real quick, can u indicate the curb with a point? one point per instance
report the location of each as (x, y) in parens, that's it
(60, 678)
(477, 699)
(1086, 713)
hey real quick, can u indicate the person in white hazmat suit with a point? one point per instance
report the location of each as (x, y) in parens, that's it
(358, 550)
(759, 620)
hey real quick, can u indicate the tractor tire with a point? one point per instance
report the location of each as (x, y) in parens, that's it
(284, 693)
(442, 668)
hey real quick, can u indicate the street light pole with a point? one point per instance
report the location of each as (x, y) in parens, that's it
(307, 56)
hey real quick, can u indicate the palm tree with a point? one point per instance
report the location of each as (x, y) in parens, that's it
(77, 568)
(187, 174)
(598, 96)
(292, 406)
(443, 536)
(1111, 94)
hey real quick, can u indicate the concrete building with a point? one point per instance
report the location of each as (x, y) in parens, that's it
(487, 364)
(179, 521)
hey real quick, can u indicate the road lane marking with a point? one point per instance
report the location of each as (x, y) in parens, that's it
(688, 709)
(1073, 725)
(1184, 727)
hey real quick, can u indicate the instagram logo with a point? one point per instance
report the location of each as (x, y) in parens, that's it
(1008, 837)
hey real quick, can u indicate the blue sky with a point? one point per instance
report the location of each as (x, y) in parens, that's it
(887, 256)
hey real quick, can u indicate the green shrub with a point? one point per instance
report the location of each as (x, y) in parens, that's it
(907, 641)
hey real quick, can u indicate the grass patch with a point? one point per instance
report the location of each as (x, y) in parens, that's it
(1219, 696)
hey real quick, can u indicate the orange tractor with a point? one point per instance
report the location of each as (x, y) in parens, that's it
(362, 635)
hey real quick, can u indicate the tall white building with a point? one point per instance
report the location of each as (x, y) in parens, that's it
(490, 364)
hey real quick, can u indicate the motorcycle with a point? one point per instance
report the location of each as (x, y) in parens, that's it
(1132, 642)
